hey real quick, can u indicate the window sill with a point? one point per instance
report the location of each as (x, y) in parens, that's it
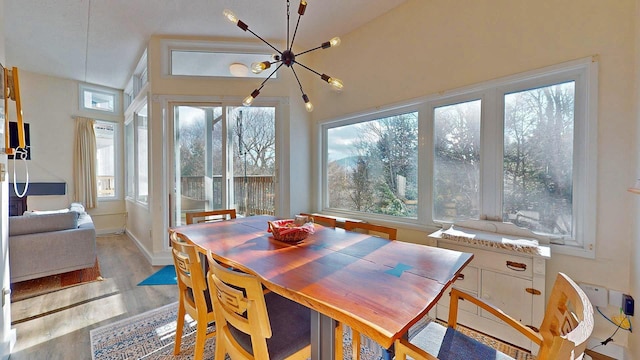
(573, 251)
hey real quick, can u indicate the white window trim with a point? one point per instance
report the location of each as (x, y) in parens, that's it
(584, 71)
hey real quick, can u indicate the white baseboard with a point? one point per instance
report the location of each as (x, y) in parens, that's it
(155, 259)
(109, 231)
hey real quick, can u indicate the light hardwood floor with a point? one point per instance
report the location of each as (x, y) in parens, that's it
(57, 325)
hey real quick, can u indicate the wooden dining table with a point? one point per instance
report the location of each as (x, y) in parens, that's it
(376, 286)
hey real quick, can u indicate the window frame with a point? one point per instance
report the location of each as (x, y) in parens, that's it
(84, 88)
(116, 155)
(131, 119)
(491, 93)
(168, 46)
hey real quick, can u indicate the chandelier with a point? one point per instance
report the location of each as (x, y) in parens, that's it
(287, 57)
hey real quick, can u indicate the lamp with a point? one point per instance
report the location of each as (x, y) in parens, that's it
(286, 57)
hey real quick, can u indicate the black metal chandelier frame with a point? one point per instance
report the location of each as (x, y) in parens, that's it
(287, 57)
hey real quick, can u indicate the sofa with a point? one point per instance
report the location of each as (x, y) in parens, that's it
(51, 242)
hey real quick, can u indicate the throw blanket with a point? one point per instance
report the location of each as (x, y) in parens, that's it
(493, 240)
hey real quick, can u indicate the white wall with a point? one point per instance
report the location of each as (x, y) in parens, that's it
(634, 341)
(49, 105)
(425, 47)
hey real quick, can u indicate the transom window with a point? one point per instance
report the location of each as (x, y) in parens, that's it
(98, 99)
(212, 58)
(513, 149)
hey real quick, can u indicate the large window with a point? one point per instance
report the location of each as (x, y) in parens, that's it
(106, 137)
(372, 166)
(456, 161)
(137, 155)
(538, 159)
(518, 149)
(142, 154)
(130, 164)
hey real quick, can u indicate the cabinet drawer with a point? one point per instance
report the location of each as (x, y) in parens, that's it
(468, 279)
(521, 266)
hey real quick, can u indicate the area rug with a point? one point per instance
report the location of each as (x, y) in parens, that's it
(150, 336)
(164, 276)
(31, 288)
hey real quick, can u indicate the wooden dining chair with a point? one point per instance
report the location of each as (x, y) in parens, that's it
(373, 229)
(565, 329)
(253, 325)
(322, 220)
(210, 215)
(194, 296)
(356, 340)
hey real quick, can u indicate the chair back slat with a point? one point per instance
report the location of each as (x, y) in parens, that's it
(566, 327)
(210, 215)
(189, 273)
(239, 302)
(372, 229)
(568, 321)
(322, 220)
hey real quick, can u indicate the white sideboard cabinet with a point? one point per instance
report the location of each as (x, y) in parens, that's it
(508, 276)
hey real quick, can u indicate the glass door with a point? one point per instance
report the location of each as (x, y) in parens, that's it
(223, 157)
(254, 159)
(197, 159)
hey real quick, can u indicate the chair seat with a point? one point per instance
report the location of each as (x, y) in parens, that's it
(290, 326)
(446, 343)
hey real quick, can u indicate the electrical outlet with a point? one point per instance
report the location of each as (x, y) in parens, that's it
(599, 296)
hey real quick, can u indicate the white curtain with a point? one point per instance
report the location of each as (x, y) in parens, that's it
(84, 164)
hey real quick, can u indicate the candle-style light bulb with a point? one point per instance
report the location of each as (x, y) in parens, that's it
(336, 84)
(229, 15)
(331, 43)
(258, 67)
(307, 104)
(249, 99)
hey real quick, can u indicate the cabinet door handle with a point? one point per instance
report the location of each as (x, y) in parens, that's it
(516, 266)
(460, 277)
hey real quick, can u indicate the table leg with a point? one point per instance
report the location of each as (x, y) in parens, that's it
(322, 336)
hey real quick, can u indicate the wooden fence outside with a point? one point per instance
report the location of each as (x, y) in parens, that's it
(260, 193)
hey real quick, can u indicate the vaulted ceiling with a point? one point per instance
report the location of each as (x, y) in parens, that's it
(100, 41)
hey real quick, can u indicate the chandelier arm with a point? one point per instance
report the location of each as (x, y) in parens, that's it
(299, 83)
(295, 32)
(265, 41)
(288, 16)
(308, 68)
(310, 50)
(269, 77)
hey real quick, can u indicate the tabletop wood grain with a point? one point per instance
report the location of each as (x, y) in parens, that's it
(377, 286)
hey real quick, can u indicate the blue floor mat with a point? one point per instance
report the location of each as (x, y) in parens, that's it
(164, 276)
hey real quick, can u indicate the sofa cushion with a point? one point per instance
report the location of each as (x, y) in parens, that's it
(44, 212)
(77, 207)
(20, 225)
